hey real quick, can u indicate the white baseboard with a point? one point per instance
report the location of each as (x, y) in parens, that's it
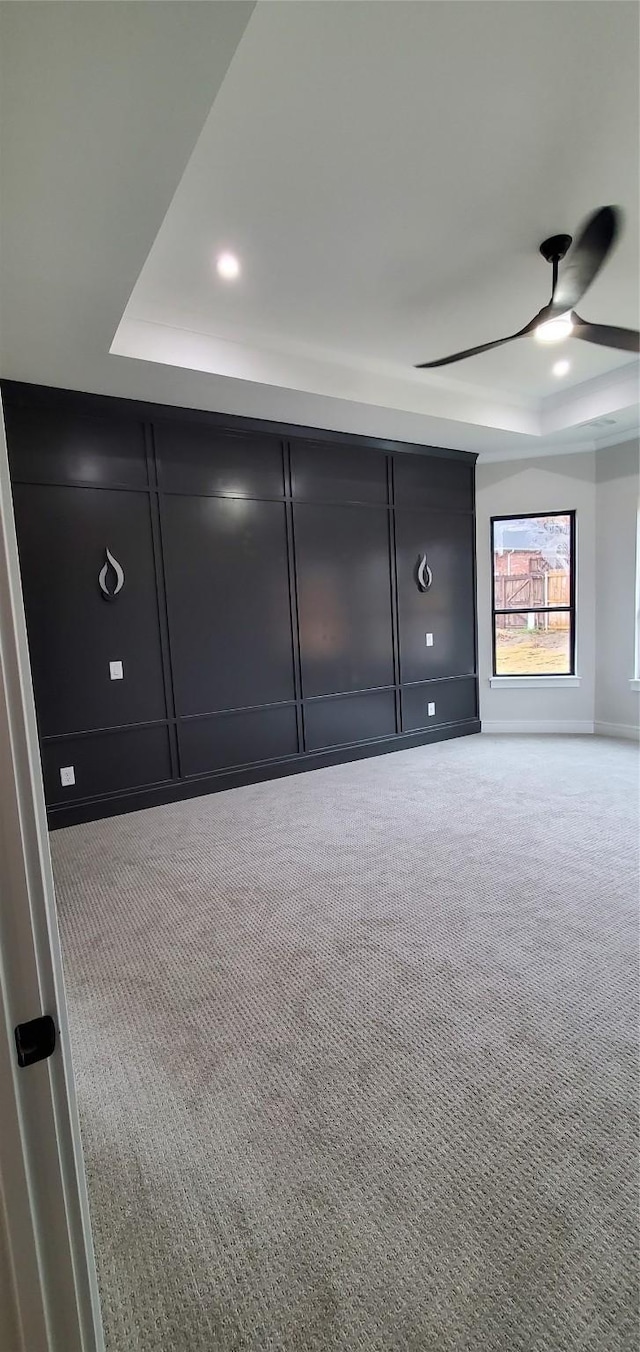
(628, 730)
(536, 725)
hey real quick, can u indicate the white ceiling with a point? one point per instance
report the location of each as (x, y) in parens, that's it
(385, 172)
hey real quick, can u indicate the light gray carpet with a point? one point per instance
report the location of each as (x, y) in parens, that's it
(356, 1055)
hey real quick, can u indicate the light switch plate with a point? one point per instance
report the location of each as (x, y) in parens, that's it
(116, 671)
(67, 775)
(431, 708)
(429, 640)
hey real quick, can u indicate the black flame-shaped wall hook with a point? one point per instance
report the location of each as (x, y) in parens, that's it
(111, 563)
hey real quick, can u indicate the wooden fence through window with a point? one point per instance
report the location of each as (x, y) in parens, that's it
(521, 592)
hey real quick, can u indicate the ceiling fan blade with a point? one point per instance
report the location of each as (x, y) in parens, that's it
(606, 335)
(484, 347)
(585, 259)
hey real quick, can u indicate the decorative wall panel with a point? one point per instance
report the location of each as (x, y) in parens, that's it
(215, 600)
(344, 597)
(74, 631)
(201, 458)
(430, 704)
(443, 610)
(228, 598)
(105, 763)
(245, 737)
(448, 484)
(338, 473)
(349, 718)
(65, 445)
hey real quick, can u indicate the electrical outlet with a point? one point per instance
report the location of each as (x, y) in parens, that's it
(431, 708)
(429, 640)
(116, 671)
(67, 776)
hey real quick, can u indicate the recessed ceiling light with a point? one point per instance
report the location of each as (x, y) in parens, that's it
(561, 368)
(555, 329)
(228, 266)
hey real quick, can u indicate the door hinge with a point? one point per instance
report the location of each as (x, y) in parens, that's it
(35, 1040)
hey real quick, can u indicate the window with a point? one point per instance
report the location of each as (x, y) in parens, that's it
(533, 595)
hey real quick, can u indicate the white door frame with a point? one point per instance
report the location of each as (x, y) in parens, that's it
(42, 1179)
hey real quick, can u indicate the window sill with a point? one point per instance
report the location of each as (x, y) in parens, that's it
(635, 683)
(524, 682)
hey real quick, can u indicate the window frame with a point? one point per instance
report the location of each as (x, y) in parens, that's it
(569, 609)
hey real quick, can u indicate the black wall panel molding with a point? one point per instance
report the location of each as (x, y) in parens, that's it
(338, 473)
(448, 486)
(68, 446)
(55, 401)
(161, 602)
(237, 738)
(209, 461)
(446, 610)
(344, 597)
(439, 703)
(294, 613)
(228, 602)
(340, 720)
(74, 633)
(270, 618)
(105, 764)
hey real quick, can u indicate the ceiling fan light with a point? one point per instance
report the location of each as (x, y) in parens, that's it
(554, 330)
(228, 266)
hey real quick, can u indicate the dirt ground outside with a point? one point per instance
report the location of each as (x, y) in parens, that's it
(531, 652)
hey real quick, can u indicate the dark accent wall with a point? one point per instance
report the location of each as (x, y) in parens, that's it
(270, 619)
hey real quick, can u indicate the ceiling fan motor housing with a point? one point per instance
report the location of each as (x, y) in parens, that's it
(555, 248)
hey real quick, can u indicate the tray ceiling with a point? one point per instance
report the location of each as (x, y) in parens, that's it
(385, 173)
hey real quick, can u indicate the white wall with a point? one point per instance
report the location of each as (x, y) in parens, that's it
(617, 706)
(548, 484)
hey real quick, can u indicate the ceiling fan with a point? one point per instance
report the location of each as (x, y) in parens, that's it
(558, 319)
